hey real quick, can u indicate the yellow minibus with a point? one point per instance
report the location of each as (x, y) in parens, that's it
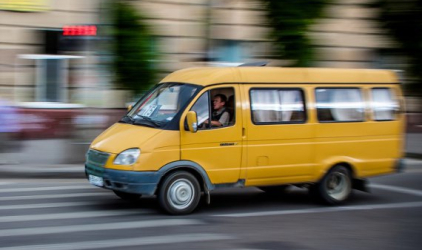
(201, 129)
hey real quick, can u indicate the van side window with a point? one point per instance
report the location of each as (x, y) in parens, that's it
(271, 106)
(339, 105)
(383, 104)
(215, 108)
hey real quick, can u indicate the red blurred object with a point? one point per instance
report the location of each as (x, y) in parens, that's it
(80, 30)
(46, 123)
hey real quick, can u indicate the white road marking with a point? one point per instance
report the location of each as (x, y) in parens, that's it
(98, 227)
(119, 243)
(52, 196)
(397, 189)
(45, 205)
(324, 210)
(75, 215)
(33, 189)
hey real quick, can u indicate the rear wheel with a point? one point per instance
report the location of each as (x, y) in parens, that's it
(179, 193)
(335, 187)
(127, 196)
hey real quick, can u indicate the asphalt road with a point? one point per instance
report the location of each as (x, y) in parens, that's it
(72, 214)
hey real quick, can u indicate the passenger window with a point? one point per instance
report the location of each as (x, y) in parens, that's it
(383, 104)
(215, 108)
(339, 105)
(270, 106)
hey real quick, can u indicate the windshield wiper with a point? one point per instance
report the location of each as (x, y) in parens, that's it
(127, 119)
(149, 122)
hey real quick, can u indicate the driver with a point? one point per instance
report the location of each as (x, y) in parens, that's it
(220, 116)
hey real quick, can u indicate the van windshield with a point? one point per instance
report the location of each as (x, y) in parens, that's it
(158, 107)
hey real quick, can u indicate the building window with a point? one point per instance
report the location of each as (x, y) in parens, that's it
(339, 105)
(277, 106)
(229, 51)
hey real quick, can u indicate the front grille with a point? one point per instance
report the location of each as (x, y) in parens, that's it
(96, 158)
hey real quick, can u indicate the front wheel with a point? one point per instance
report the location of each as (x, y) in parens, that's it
(179, 193)
(335, 187)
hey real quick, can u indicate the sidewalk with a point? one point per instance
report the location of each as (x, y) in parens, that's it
(57, 171)
(414, 145)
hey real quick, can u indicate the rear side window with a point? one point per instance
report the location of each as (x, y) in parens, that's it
(270, 106)
(339, 104)
(383, 104)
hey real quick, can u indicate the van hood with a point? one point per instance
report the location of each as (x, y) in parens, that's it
(122, 136)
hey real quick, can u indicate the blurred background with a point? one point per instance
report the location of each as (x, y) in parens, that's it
(68, 69)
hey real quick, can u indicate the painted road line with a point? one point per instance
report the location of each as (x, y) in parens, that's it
(128, 242)
(51, 196)
(324, 210)
(397, 189)
(33, 189)
(75, 215)
(45, 205)
(98, 227)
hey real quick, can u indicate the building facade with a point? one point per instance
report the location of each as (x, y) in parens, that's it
(186, 33)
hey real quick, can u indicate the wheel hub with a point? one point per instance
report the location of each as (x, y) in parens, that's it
(181, 194)
(338, 186)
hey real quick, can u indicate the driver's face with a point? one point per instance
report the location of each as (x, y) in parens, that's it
(217, 103)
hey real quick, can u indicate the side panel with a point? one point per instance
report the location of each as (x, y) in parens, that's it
(371, 147)
(218, 150)
(278, 153)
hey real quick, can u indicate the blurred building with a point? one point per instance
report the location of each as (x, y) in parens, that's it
(54, 55)
(38, 62)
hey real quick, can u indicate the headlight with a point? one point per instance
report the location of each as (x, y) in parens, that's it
(127, 157)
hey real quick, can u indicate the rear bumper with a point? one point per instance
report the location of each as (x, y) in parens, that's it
(142, 183)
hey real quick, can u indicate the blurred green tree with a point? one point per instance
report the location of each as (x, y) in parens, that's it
(403, 20)
(290, 20)
(133, 53)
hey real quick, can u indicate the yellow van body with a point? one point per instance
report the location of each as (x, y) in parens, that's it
(253, 153)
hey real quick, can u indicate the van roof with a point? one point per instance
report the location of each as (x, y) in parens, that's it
(213, 75)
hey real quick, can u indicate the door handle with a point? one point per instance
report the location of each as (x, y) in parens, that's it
(223, 144)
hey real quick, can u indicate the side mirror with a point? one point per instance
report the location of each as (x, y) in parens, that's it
(129, 107)
(192, 121)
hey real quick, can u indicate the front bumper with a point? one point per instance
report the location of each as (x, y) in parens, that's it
(142, 183)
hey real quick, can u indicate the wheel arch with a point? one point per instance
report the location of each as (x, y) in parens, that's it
(347, 162)
(191, 167)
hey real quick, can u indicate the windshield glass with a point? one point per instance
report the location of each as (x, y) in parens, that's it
(160, 106)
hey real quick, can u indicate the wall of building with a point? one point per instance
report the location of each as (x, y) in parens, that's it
(349, 35)
(21, 27)
(187, 33)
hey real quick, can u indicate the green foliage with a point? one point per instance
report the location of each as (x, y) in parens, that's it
(290, 20)
(403, 20)
(132, 49)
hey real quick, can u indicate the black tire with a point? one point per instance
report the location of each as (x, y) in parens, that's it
(335, 188)
(275, 190)
(127, 196)
(179, 193)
